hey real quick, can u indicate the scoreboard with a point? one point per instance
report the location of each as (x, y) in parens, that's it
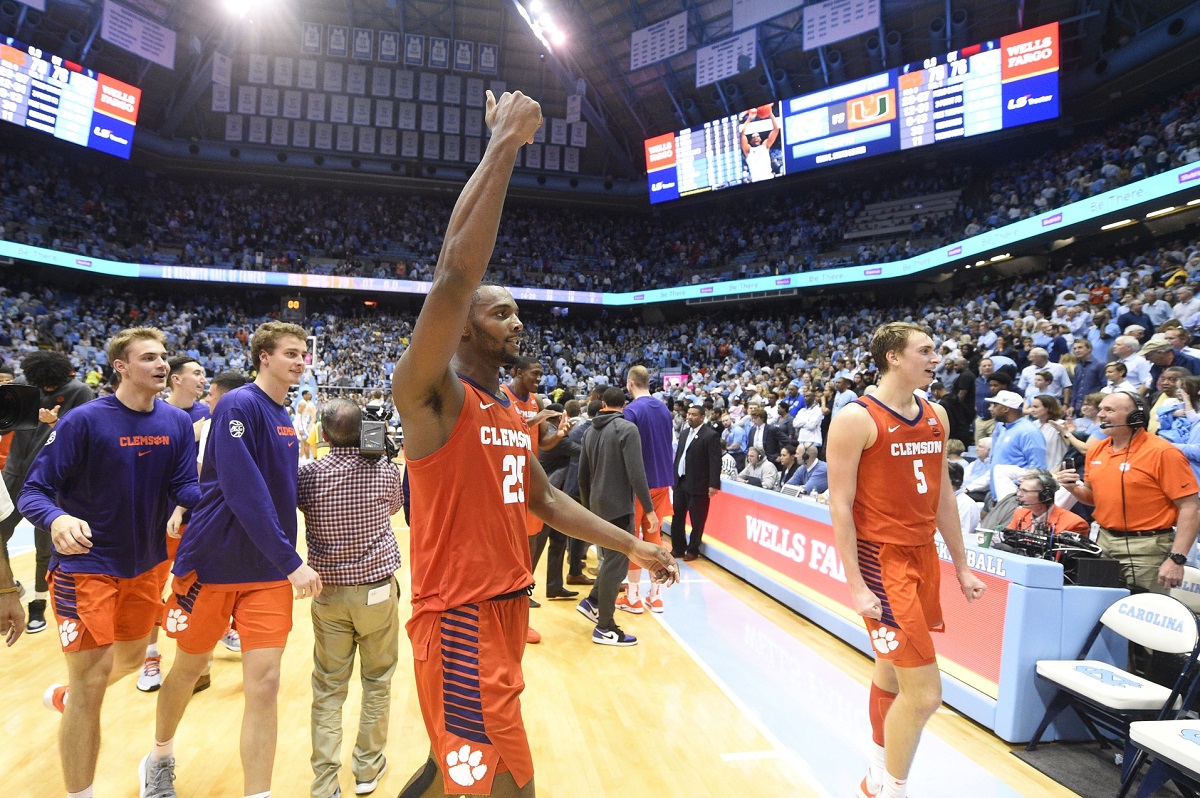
(53, 95)
(991, 86)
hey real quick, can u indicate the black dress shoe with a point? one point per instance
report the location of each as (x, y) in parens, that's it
(689, 557)
(559, 595)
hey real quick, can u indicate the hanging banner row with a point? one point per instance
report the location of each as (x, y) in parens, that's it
(403, 143)
(405, 115)
(366, 44)
(402, 84)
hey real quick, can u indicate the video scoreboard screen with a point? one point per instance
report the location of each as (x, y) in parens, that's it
(51, 94)
(995, 85)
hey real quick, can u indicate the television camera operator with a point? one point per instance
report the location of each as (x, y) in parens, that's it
(59, 392)
(348, 498)
(1144, 494)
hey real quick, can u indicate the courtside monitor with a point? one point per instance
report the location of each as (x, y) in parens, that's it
(70, 102)
(996, 85)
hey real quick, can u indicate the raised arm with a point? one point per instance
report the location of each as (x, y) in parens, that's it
(424, 387)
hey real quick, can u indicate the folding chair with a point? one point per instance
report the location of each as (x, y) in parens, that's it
(1109, 698)
(1173, 748)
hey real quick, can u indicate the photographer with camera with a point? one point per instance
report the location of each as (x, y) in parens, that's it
(53, 374)
(1144, 493)
(348, 499)
(1037, 510)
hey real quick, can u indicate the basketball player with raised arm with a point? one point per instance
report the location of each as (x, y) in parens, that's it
(886, 496)
(473, 478)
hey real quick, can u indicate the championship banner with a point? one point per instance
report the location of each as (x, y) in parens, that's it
(316, 108)
(409, 144)
(306, 74)
(302, 134)
(284, 67)
(432, 149)
(452, 90)
(404, 84)
(268, 102)
(387, 142)
(220, 98)
(222, 71)
(333, 77)
(258, 67)
(293, 104)
(233, 127)
(570, 159)
(139, 35)
(475, 92)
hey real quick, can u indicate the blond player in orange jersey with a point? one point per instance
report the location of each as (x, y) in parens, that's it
(886, 477)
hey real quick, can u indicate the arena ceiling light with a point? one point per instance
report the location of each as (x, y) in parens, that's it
(1160, 212)
(538, 17)
(998, 258)
(1115, 225)
(243, 8)
(1194, 202)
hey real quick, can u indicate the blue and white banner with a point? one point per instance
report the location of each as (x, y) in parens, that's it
(475, 92)
(310, 38)
(268, 102)
(138, 34)
(432, 150)
(302, 134)
(356, 78)
(404, 84)
(339, 41)
(222, 71)
(414, 50)
(387, 142)
(389, 46)
(489, 58)
(464, 56)
(293, 104)
(316, 108)
(410, 144)
(306, 74)
(363, 43)
(283, 71)
(439, 52)
(221, 98)
(333, 76)
(381, 82)
(428, 90)
(452, 90)
(258, 68)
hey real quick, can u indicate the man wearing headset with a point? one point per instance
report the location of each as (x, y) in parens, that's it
(1144, 494)
(1035, 493)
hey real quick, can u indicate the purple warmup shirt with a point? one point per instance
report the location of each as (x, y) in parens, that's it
(244, 528)
(121, 470)
(653, 421)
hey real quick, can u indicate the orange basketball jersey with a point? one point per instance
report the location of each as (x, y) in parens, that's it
(468, 541)
(527, 408)
(900, 476)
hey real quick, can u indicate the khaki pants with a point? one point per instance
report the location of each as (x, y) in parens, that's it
(342, 622)
(1140, 557)
(983, 428)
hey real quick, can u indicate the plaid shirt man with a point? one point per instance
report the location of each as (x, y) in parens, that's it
(348, 501)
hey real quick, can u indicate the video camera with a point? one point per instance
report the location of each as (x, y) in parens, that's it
(19, 406)
(1041, 542)
(374, 440)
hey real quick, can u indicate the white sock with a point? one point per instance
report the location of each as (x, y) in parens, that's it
(152, 650)
(894, 787)
(163, 750)
(633, 591)
(655, 590)
(42, 595)
(877, 771)
(86, 792)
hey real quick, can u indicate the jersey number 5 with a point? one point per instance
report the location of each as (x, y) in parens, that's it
(514, 479)
(922, 485)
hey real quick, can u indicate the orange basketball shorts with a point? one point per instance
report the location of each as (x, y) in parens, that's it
(469, 684)
(661, 498)
(906, 579)
(95, 610)
(197, 615)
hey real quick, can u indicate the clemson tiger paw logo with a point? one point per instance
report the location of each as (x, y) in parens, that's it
(68, 631)
(464, 766)
(176, 621)
(884, 641)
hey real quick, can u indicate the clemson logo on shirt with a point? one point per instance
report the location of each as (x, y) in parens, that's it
(236, 428)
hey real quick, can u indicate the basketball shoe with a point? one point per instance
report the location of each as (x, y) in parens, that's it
(868, 789)
(150, 678)
(55, 697)
(636, 607)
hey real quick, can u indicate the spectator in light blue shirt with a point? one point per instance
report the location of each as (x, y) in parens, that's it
(813, 475)
(1016, 442)
(844, 396)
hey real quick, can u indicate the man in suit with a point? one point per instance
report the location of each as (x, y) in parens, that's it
(813, 474)
(764, 435)
(697, 478)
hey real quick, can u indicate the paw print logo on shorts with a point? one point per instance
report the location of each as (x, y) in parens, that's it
(884, 641)
(176, 621)
(463, 766)
(68, 631)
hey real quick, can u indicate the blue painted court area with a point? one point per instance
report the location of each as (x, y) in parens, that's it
(812, 712)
